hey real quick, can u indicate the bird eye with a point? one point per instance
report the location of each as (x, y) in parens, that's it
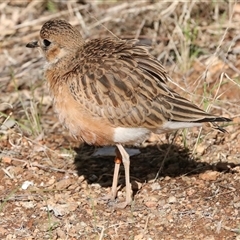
(46, 42)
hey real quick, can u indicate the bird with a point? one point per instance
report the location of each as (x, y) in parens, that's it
(112, 92)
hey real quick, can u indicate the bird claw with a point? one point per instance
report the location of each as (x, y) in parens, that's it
(107, 198)
(121, 205)
(111, 201)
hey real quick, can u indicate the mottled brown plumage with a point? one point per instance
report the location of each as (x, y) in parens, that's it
(110, 91)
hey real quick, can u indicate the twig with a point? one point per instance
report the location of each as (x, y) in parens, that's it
(165, 156)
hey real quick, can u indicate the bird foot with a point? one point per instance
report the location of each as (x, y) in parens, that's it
(111, 201)
(121, 205)
(107, 198)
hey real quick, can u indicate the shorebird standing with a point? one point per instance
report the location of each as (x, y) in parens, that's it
(112, 92)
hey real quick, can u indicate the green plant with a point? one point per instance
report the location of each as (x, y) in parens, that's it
(4, 202)
(31, 122)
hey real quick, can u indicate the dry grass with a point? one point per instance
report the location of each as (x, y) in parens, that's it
(195, 195)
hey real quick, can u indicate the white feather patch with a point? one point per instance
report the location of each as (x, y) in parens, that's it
(168, 126)
(128, 135)
(138, 135)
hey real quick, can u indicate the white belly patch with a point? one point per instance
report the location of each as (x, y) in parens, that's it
(130, 135)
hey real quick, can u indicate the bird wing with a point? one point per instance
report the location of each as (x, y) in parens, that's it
(122, 83)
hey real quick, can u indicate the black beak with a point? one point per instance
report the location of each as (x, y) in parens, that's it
(32, 44)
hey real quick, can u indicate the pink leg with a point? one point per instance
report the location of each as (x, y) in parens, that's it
(126, 164)
(115, 177)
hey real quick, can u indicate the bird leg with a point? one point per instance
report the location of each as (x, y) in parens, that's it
(121, 157)
(118, 161)
(126, 164)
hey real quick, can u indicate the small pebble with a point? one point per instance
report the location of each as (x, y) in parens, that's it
(172, 199)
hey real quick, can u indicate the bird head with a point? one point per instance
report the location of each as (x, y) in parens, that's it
(57, 39)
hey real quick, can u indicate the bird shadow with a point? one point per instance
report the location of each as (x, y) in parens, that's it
(145, 166)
